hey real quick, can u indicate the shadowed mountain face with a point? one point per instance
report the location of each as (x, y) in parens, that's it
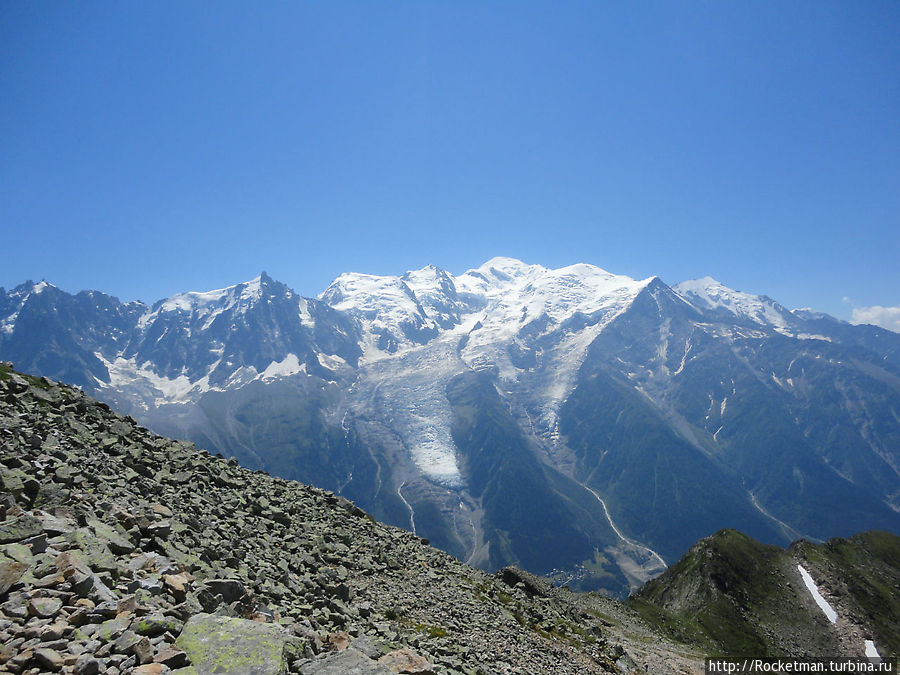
(618, 420)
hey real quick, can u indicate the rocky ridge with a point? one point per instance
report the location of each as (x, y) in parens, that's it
(739, 597)
(125, 552)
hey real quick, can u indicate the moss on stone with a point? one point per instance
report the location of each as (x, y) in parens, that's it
(225, 645)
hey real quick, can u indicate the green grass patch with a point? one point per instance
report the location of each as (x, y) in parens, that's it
(433, 631)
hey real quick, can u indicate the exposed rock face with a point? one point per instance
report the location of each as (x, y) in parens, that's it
(125, 552)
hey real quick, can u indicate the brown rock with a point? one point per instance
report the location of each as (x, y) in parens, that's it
(49, 659)
(50, 581)
(44, 608)
(406, 661)
(10, 573)
(54, 631)
(177, 583)
(21, 659)
(151, 669)
(127, 604)
(143, 650)
(164, 511)
(86, 664)
(338, 642)
(173, 658)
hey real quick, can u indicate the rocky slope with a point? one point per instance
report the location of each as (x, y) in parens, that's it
(124, 552)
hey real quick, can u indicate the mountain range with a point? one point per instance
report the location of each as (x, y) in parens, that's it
(573, 422)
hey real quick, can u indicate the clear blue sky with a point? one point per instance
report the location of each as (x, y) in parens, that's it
(155, 147)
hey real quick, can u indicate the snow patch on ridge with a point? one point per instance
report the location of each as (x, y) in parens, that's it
(127, 374)
(8, 325)
(814, 591)
(331, 361)
(290, 365)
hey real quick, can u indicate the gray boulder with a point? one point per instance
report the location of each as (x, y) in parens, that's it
(225, 645)
(348, 662)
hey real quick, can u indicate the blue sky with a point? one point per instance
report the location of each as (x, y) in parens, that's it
(151, 148)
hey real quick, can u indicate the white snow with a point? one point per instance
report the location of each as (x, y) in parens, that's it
(410, 390)
(814, 591)
(493, 304)
(870, 649)
(812, 336)
(303, 312)
(289, 365)
(331, 361)
(127, 373)
(8, 325)
(500, 297)
(708, 293)
(206, 305)
(369, 295)
(381, 303)
(515, 294)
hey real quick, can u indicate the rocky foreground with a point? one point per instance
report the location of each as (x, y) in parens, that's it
(125, 552)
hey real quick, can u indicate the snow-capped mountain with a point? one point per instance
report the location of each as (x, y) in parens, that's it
(713, 296)
(568, 419)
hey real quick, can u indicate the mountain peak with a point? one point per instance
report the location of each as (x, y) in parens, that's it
(709, 294)
(32, 288)
(246, 292)
(507, 268)
(702, 283)
(365, 291)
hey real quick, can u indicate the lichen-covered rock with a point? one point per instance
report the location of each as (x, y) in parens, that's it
(224, 645)
(154, 624)
(17, 529)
